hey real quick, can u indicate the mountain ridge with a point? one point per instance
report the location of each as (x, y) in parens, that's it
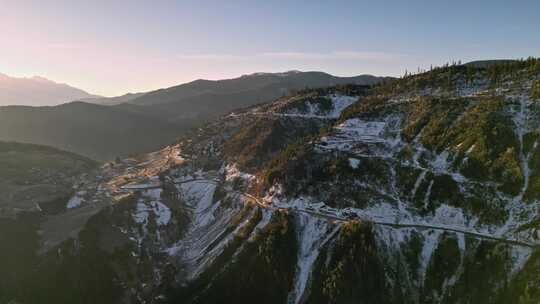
(37, 91)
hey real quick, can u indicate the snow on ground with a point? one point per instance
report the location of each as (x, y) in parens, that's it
(340, 103)
(520, 255)
(141, 213)
(366, 131)
(149, 207)
(448, 216)
(208, 232)
(266, 216)
(313, 233)
(313, 110)
(161, 212)
(444, 217)
(154, 194)
(198, 195)
(431, 242)
(441, 164)
(75, 201)
(381, 138)
(371, 138)
(393, 238)
(354, 163)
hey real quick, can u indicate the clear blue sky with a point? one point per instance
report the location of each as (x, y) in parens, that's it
(113, 47)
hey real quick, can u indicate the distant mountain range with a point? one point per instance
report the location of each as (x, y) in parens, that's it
(260, 85)
(37, 91)
(103, 128)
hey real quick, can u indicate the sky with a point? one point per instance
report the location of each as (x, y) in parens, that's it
(115, 47)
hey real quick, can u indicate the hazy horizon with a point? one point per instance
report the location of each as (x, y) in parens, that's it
(42, 78)
(111, 49)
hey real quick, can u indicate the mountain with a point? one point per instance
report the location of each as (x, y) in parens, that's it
(37, 91)
(111, 101)
(142, 122)
(98, 132)
(204, 100)
(262, 87)
(424, 189)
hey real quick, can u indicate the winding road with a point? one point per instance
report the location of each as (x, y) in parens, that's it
(336, 218)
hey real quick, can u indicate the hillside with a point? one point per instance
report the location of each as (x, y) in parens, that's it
(419, 190)
(98, 132)
(37, 91)
(34, 176)
(35, 182)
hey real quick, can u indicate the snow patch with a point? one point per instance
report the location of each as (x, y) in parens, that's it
(520, 255)
(340, 103)
(161, 211)
(313, 233)
(367, 131)
(75, 201)
(354, 163)
(431, 242)
(313, 110)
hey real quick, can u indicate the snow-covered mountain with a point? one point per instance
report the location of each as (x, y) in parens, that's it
(420, 190)
(37, 91)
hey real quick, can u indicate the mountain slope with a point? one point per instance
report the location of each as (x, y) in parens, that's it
(99, 132)
(34, 176)
(37, 91)
(420, 190)
(35, 182)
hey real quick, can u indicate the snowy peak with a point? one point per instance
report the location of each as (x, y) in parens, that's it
(37, 91)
